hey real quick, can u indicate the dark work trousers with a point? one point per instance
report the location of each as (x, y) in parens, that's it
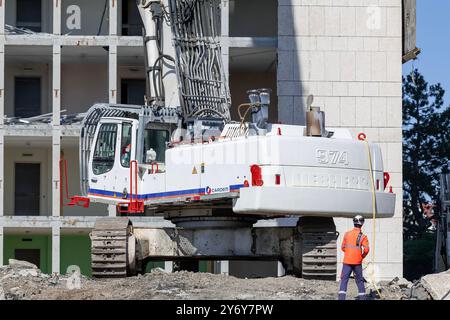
(347, 270)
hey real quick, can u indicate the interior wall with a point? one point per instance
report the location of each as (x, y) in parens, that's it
(90, 81)
(253, 18)
(71, 154)
(43, 243)
(241, 82)
(75, 251)
(91, 17)
(46, 11)
(13, 70)
(38, 155)
(125, 72)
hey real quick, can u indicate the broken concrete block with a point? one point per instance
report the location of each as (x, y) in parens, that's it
(19, 264)
(28, 272)
(437, 285)
(400, 282)
(403, 283)
(420, 293)
(2, 294)
(158, 270)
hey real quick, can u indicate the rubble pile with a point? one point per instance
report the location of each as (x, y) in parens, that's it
(430, 287)
(402, 289)
(22, 280)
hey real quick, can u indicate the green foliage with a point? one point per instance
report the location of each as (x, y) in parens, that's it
(418, 256)
(426, 148)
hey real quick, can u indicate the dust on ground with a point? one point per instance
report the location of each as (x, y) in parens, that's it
(26, 282)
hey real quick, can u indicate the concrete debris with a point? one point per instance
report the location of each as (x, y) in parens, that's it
(438, 285)
(46, 118)
(9, 29)
(28, 272)
(19, 264)
(158, 270)
(2, 294)
(418, 292)
(401, 282)
(15, 293)
(16, 30)
(27, 283)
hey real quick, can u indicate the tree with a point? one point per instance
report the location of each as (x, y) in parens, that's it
(426, 148)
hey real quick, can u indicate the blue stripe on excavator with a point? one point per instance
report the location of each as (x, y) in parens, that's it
(200, 191)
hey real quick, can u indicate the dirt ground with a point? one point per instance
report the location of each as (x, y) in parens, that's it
(23, 283)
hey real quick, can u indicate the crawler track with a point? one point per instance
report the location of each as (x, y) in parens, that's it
(109, 254)
(319, 253)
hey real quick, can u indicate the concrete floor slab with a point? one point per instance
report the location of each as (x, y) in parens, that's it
(438, 285)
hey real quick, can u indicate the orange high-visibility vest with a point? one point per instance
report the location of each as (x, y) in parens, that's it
(355, 246)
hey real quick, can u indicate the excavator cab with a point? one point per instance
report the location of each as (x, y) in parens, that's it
(113, 150)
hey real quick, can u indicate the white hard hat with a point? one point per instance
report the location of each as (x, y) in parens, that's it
(358, 220)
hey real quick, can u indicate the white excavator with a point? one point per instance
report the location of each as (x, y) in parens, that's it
(184, 159)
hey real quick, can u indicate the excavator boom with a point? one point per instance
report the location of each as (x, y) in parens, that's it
(195, 26)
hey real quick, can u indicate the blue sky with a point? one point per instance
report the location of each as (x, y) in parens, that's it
(433, 37)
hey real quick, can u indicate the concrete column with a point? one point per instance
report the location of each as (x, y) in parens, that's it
(112, 210)
(2, 240)
(56, 183)
(113, 4)
(2, 17)
(222, 267)
(56, 137)
(280, 269)
(56, 84)
(2, 82)
(112, 74)
(56, 233)
(2, 114)
(168, 266)
(225, 18)
(57, 16)
(2, 173)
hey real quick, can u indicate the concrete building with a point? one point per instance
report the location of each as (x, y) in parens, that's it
(348, 53)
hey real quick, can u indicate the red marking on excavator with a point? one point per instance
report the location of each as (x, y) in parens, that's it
(135, 205)
(256, 175)
(277, 179)
(362, 136)
(79, 201)
(387, 178)
(74, 200)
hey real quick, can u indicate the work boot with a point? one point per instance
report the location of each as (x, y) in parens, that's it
(361, 296)
(341, 296)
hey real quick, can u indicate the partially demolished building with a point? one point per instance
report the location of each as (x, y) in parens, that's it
(58, 57)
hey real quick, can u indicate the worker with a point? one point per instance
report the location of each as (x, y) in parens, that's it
(356, 247)
(125, 155)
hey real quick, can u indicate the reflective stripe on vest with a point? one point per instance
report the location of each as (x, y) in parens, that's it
(358, 242)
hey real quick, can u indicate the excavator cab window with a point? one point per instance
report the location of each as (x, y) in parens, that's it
(125, 145)
(104, 153)
(156, 139)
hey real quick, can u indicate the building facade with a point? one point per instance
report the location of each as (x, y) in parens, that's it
(347, 53)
